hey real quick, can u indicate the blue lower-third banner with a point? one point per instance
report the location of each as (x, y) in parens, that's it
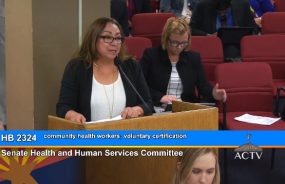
(137, 138)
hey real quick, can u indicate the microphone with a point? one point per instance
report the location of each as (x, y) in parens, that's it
(118, 64)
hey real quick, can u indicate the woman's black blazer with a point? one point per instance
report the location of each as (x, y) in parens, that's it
(157, 68)
(76, 87)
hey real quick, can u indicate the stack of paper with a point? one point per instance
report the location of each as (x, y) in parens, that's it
(261, 120)
(119, 117)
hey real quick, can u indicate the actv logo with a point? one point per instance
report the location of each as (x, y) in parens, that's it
(248, 155)
(248, 151)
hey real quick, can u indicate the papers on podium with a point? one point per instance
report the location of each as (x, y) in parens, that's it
(105, 120)
(261, 120)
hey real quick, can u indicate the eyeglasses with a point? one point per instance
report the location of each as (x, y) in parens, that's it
(110, 39)
(174, 43)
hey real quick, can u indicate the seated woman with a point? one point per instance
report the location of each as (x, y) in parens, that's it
(174, 73)
(95, 84)
(198, 165)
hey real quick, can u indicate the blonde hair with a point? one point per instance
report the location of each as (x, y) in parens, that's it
(88, 50)
(176, 25)
(187, 160)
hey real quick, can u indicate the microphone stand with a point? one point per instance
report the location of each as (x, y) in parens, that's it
(118, 64)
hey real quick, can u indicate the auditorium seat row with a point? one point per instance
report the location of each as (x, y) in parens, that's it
(249, 87)
(273, 23)
(150, 25)
(263, 48)
(250, 84)
(269, 49)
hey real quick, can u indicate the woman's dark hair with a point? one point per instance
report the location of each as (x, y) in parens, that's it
(88, 50)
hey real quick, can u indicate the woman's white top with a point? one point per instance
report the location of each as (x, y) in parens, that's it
(102, 99)
(175, 86)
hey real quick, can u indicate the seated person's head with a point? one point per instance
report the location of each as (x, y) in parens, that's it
(198, 165)
(175, 35)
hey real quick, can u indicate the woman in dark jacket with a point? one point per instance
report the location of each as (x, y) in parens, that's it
(95, 84)
(172, 72)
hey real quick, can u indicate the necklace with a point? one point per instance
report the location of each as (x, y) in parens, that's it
(110, 107)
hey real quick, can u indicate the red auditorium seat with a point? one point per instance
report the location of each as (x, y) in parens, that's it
(249, 88)
(211, 51)
(269, 49)
(150, 25)
(273, 23)
(136, 45)
(279, 5)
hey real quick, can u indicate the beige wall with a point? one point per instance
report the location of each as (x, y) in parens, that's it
(93, 9)
(19, 64)
(55, 25)
(37, 50)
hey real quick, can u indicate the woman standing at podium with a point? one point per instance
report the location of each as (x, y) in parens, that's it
(198, 165)
(97, 84)
(175, 73)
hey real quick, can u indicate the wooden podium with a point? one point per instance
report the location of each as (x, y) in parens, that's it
(141, 169)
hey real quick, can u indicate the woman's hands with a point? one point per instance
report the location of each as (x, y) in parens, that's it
(219, 94)
(166, 99)
(128, 112)
(132, 112)
(258, 21)
(75, 116)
